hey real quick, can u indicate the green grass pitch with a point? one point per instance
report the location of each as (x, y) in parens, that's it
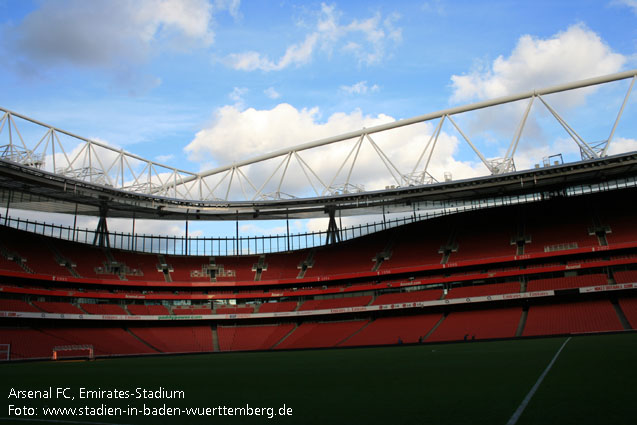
(592, 382)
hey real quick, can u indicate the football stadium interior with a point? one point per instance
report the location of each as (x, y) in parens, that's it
(507, 258)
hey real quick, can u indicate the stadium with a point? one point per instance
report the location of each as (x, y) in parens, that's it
(445, 305)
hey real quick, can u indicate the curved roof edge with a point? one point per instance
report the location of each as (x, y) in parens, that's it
(32, 189)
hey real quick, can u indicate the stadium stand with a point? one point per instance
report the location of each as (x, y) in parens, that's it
(625, 276)
(566, 282)
(147, 310)
(278, 307)
(16, 305)
(483, 290)
(235, 338)
(330, 303)
(103, 309)
(478, 324)
(629, 308)
(58, 307)
(314, 335)
(575, 317)
(234, 310)
(408, 297)
(389, 330)
(176, 339)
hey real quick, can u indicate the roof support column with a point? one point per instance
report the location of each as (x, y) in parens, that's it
(101, 232)
(333, 232)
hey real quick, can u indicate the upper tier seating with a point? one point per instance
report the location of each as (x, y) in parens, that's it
(481, 236)
(35, 253)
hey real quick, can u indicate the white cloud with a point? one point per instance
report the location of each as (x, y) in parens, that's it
(164, 158)
(630, 3)
(232, 6)
(272, 93)
(237, 94)
(621, 145)
(574, 54)
(570, 55)
(366, 39)
(114, 35)
(360, 88)
(240, 134)
(434, 6)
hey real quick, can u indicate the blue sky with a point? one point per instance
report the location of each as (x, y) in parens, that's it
(187, 83)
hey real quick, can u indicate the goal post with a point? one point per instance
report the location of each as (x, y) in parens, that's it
(74, 350)
(5, 352)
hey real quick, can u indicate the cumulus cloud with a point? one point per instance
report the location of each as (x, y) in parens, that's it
(103, 32)
(366, 39)
(272, 93)
(117, 36)
(240, 134)
(360, 88)
(574, 54)
(621, 145)
(570, 55)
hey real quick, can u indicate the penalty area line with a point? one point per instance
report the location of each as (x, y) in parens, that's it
(58, 421)
(525, 402)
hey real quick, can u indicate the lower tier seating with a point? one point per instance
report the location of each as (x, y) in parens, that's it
(629, 307)
(105, 341)
(389, 330)
(184, 339)
(478, 324)
(314, 335)
(232, 338)
(576, 317)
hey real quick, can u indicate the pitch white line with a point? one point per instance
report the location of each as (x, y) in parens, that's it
(59, 421)
(528, 397)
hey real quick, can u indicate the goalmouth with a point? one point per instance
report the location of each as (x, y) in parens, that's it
(73, 351)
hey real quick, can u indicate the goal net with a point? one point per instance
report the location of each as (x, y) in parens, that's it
(73, 351)
(5, 352)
